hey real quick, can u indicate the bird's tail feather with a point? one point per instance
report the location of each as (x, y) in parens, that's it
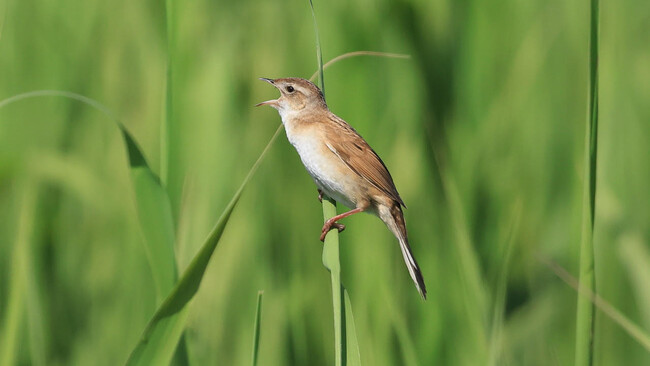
(394, 219)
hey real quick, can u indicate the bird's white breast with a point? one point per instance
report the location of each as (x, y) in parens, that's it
(325, 168)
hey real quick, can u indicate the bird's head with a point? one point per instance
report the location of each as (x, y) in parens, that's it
(296, 95)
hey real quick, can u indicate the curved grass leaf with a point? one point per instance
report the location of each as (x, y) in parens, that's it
(357, 54)
(162, 333)
(152, 204)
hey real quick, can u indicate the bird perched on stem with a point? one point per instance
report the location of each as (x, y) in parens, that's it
(341, 163)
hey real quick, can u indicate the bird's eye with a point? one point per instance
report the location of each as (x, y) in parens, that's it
(290, 89)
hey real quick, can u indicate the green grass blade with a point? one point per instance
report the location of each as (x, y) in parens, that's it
(400, 326)
(256, 329)
(3, 17)
(472, 283)
(332, 263)
(154, 216)
(352, 344)
(585, 322)
(16, 299)
(165, 328)
(164, 129)
(498, 314)
(181, 357)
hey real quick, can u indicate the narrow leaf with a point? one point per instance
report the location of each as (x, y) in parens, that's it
(168, 120)
(256, 329)
(632, 329)
(332, 263)
(14, 311)
(353, 354)
(585, 318)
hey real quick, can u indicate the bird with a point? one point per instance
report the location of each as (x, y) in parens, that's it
(341, 163)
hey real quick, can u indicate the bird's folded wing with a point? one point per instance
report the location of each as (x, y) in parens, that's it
(355, 152)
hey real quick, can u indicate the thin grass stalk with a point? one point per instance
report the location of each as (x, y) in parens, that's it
(181, 356)
(499, 309)
(331, 259)
(256, 329)
(357, 54)
(164, 129)
(585, 322)
(632, 329)
(3, 18)
(319, 54)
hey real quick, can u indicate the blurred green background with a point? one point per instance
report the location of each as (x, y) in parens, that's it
(482, 129)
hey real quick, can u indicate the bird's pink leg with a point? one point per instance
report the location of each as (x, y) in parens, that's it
(332, 222)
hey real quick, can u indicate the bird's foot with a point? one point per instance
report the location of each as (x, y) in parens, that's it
(329, 225)
(320, 195)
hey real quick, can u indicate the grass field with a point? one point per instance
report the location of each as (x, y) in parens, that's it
(483, 130)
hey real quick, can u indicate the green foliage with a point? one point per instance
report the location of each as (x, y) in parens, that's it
(482, 129)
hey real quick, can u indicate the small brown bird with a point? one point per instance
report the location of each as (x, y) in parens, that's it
(341, 163)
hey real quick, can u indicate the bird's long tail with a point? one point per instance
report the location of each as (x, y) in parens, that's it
(394, 219)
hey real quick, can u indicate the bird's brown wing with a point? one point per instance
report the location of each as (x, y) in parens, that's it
(355, 152)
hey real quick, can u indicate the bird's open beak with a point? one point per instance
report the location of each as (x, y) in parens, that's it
(273, 103)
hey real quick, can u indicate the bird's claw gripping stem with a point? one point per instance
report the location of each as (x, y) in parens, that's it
(329, 225)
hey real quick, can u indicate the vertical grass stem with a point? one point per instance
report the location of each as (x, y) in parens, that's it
(585, 323)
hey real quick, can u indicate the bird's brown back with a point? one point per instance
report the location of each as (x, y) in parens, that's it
(344, 141)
